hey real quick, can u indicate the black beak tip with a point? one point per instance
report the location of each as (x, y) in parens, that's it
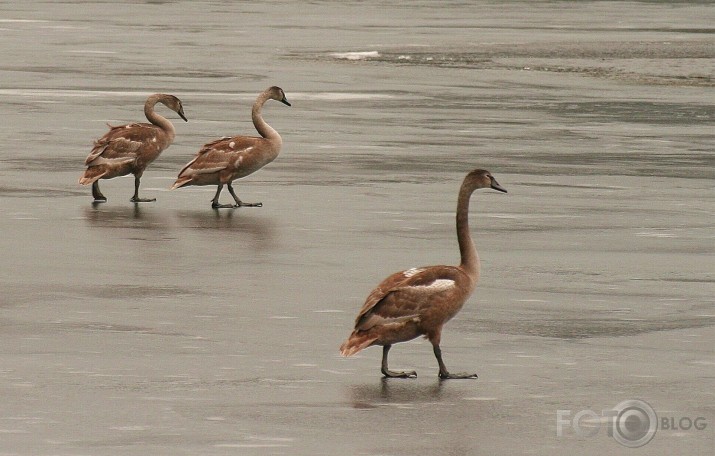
(285, 102)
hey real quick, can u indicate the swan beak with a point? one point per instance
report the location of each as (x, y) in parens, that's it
(285, 102)
(496, 186)
(181, 114)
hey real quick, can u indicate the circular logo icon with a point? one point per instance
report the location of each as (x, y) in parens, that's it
(635, 423)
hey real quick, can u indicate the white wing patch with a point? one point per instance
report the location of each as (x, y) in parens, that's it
(410, 272)
(438, 285)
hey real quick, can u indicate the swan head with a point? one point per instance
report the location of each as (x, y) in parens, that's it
(277, 94)
(481, 178)
(173, 103)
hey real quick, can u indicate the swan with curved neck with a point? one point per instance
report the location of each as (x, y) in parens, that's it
(224, 160)
(129, 149)
(419, 301)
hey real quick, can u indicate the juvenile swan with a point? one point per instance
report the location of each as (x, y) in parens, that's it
(128, 149)
(420, 301)
(224, 160)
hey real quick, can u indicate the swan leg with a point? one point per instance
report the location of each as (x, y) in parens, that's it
(98, 197)
(393, 374)
(135, 198)
(443, 372)
(214, 202)
(240, 203)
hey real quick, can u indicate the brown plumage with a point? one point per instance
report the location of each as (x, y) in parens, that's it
(224, 160)
(128, 149)
(420, 301)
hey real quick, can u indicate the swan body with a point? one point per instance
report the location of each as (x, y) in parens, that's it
(224, 160)
(129, 149)
(419, 301)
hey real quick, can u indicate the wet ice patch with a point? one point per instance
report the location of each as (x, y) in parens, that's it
(355, 55)
(343, 96)
(250, 445)
(22, 21)
(88, 51)
(258, 442)
(656, 234)
(337, 372)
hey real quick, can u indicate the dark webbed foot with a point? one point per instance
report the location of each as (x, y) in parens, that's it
(461, 375)
(242, 204)
(399, 374)
(393, 374)
(216, 205)
(238, 201)
(136, 199)
(443, 372)
(96, 194)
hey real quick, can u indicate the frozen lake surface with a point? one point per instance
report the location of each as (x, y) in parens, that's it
(170, 328)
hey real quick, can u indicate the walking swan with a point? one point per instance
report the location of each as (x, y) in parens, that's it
(224, 160)
(129, 149)
(420, 301)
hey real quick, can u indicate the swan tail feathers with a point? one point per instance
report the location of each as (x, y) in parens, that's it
(180, 182)
(357, 341)
(92, 174)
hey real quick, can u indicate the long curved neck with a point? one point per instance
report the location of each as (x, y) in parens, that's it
(467, 250)
(156, 119)
(262, 127)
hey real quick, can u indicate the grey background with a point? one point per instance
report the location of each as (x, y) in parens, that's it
(170, 329)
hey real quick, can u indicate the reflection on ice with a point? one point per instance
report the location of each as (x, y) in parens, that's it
(397, 391)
